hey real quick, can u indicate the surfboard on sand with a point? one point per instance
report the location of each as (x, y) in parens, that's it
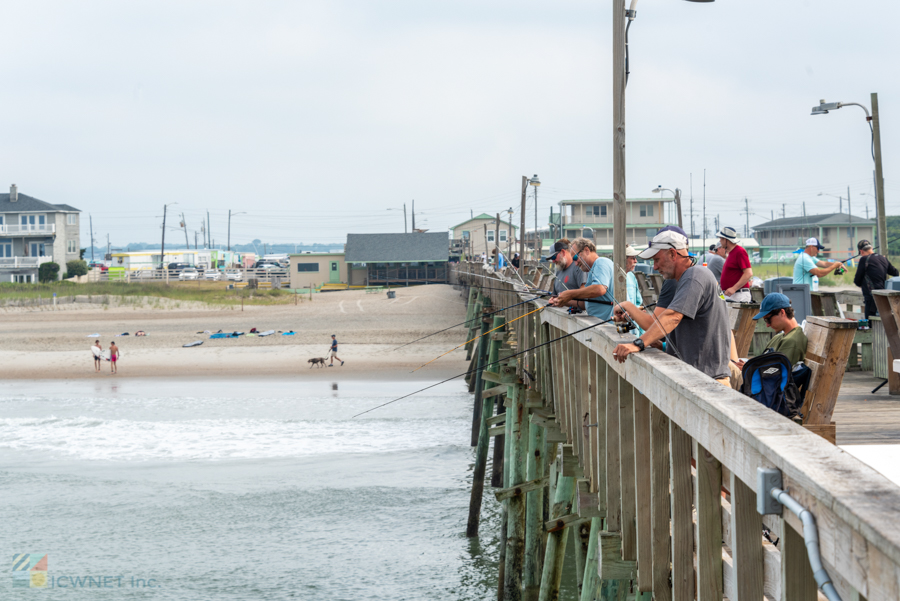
(194, 343)
(267, 333)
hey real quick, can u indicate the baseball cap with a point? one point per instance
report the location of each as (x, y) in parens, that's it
(713, 246)
(864, 245)
(814, 242)
(557, 246)
(663, 241)
(630, 251)
(772, 302)
(729, 233)
(672, 228)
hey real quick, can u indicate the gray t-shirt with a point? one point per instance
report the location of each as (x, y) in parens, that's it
(703, 337)
(715, 263)
(570, 278)
(666, 294)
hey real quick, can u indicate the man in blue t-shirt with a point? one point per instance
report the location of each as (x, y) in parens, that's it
(598, 285)
(808, 265)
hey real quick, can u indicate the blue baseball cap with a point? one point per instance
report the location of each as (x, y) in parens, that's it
(773, 302)
(672, 228)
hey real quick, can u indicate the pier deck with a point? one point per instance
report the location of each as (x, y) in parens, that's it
(863, 417)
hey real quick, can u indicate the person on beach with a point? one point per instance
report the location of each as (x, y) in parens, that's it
(334, 351)
(97, 351)
(113, 357)
(598, 281)
(736, 271)
(696, 322)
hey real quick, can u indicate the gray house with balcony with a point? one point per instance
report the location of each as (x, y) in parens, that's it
(33, 232)
(593, 219)
(838, 232)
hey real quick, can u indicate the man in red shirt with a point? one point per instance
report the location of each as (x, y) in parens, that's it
(736, 272)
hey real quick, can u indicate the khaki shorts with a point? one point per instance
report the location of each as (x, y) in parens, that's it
(333, 354)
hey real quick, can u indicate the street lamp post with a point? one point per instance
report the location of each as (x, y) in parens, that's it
(229, 225)
(677, 193)
(404, 216)
(621, 21)
(534, 181)
(874, 126)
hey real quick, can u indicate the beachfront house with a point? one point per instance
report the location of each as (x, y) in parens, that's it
(33, 232)
(477, 235)
(592, 219)
(312, 270)
(838, 232)
(398, 259)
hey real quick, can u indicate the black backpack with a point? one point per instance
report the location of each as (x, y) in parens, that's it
(768, 380)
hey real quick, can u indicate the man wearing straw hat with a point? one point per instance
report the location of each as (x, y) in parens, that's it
(736, 272)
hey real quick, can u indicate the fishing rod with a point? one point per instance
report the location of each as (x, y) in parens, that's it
(484, 367)
(468, 320)
(479, 336)
(878, 247)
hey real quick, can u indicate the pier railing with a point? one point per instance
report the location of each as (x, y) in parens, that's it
(663, 465)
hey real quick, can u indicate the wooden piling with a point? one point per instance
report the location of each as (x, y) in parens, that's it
(591, 580)
(515, 506)
(481, 450)
(534, 514)
(555, 555)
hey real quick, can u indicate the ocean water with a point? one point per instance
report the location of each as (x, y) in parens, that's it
(242, 489)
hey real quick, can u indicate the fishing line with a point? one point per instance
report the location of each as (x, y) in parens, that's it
(479, 336)
(483, 367)
(468, 320)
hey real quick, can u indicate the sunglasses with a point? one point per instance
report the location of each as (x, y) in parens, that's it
(768, 317)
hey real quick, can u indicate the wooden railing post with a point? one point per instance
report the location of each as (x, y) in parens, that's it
(797, 582)
(682, 515)
(708, 501)
(627, 469)
(659, 504)
(746, 543)
(642, 491)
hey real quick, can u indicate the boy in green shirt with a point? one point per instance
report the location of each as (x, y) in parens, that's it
(776, 310)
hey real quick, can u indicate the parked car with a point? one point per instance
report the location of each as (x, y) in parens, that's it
(175, 266)
(267, 265)
(234, 275)
(98, 265)
(211, 274)
(188, 273)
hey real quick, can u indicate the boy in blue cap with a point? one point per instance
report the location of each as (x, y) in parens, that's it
(776, 310)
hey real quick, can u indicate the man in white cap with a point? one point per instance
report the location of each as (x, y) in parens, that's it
(598, 283)
(808, 266)
(736, 272)
(695, 324)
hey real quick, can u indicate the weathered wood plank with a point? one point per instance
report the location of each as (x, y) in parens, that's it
(612, 566)
(746, 546)
(797, 582)
(627, 469)
(642, 491)
(682, 515)
(708, 501)
(659, 503)
(613, 486)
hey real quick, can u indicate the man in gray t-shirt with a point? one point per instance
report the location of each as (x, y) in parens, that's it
(715, 261)
(695, 323)
(568, 275)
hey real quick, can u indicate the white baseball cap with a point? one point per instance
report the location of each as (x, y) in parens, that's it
(814, 242)
(630, 251)
(664, 241)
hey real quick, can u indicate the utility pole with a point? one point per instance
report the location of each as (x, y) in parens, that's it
(184, 225)
(849, 222)
(162, 254)
(208, 231)
(405, 231)
(497, 237)
(783, 211)
(91, 224)
(522, 222)
(229, 229)
(677, 205)
(618, 85)
(879, 179)
(195, 238)
(537, 244)
(704, 206)
(804, 208)
(747, 211)
(414, 215)
(692, 208)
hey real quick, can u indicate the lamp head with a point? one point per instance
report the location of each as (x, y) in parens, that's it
(656, 190)
(824, 107)
(534, 181)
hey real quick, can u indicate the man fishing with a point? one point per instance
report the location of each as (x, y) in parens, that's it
(871, 274)
(598, 284)
(695, 323)
(568, 275)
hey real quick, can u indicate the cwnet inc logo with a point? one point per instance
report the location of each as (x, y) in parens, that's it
(29, 570)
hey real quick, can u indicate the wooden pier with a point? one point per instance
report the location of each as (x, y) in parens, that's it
(652, 466)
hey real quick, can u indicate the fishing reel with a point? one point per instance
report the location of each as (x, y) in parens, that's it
(575, 310)
(840, 270)
(623, 327)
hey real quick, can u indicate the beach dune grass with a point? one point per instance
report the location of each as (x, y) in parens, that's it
(200, 291)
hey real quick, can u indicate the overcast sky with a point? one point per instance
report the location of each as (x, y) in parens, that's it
(314, 118)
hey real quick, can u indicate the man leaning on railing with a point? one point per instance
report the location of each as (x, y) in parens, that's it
(695, 324)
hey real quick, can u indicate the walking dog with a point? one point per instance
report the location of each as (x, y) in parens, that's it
(320, 361)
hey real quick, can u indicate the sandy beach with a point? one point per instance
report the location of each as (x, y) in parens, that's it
(54, 342)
